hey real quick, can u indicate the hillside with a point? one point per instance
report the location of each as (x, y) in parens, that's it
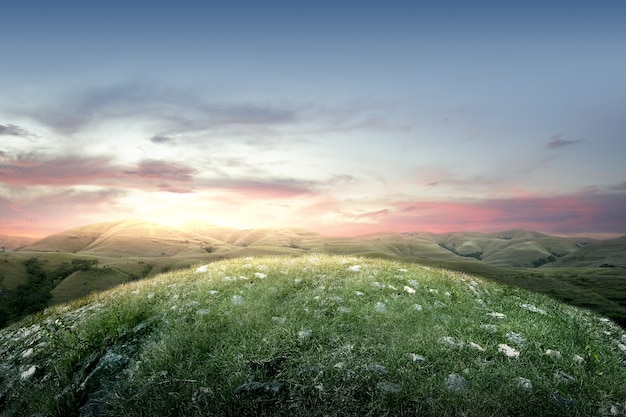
(582, 272)
(14, 242)
(313, 336)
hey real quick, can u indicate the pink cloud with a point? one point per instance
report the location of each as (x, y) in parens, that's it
(31, 169)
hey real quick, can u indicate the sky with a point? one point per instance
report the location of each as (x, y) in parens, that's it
(341, 117)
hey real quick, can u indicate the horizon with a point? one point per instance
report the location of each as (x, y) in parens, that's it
(343, 119)
(192, 224)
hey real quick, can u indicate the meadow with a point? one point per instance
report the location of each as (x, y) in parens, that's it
(314, 335)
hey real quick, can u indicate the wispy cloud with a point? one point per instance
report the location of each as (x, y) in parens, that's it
(558, 141)
(270, 188)
(13, 130)
(161, 139)
(163, 170)
(31, 169)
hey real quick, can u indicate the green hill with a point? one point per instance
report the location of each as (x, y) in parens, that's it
(317, 336)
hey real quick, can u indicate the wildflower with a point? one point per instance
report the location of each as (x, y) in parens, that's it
(415, 358)
(388, 387)
(27, 374)
(553, 353)
(260, 275)
(516, 338)
(377, 368)
(354, 268)
(304, 334)
(476, 346)
(524, 384)
(380, 307)
(456, 383)
(533, 309)
(508, 351)
(491, 328)
(202, 268)
(409, 289)
(452, 342)
(561, 376)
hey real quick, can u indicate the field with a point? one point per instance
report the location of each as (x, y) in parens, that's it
(313, 335)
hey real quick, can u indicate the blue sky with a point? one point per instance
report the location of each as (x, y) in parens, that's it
(341, 117)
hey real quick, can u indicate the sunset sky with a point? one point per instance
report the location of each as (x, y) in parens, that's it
(340, 117)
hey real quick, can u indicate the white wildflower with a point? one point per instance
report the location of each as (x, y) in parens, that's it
(354, 268)
(508, 351)
(260, 275)
(339, 365)
(497, 315)
(533, 309)
(456, 383)
(417, 307)
(561, 376)
(388, 387)
(476, 346)
(380, 307)
(492, 328)
(238, 299)
(553, 353)
(452, 342)
(516, 338)
(524, 384)
(304, 334)
(27, 374)
(413, 357)
(135, 292)
(409, 289)
(202, 268)
(262, 267)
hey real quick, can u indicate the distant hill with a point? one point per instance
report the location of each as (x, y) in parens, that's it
(512, 248)
(14, 242)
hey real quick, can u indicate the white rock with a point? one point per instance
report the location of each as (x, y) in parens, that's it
(508, 351)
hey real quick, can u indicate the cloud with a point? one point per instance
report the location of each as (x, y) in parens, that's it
(557, 141)
(264, 189)
(162, 170)
(31, 169)
(13, 130)
(161, 139)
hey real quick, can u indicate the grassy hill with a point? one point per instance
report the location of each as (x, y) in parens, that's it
(585, 273)
(313, 335)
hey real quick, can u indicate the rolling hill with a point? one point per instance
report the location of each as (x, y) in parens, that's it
(313, 335)
(582, 272)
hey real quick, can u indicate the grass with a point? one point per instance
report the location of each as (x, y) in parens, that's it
(316, 336)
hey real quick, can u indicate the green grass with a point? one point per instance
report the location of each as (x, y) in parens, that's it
(314, 336)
